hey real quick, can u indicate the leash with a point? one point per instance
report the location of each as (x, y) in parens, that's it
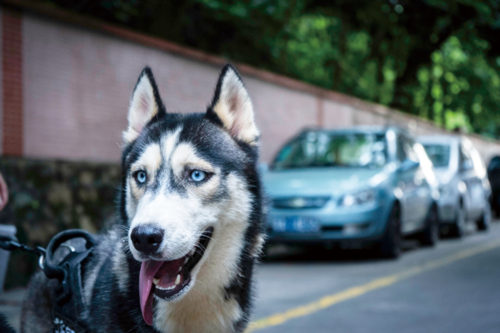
(11, 244)
(70, 309)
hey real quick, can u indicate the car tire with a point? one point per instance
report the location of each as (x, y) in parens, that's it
(458, 227)
(430, 234)
(483, 222)
(390, 244)
(495, 205)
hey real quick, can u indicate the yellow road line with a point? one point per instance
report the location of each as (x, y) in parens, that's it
(330, 300)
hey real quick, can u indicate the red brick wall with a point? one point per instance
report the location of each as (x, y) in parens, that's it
(12, 89)
(78, 84)
(72, 78)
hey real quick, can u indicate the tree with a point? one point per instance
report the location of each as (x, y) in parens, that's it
(438, 59)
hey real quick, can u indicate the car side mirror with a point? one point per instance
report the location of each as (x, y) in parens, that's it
(408, 165)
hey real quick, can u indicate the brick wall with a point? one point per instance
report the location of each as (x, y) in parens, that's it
(67, 82)
(1, 86)
(78, 84)
(12, 89)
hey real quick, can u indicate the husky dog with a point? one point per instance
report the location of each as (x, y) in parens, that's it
(190, 204)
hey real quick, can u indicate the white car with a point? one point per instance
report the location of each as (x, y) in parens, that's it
(463, 183)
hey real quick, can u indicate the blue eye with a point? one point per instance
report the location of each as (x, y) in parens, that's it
(141, 176)
(198, 175)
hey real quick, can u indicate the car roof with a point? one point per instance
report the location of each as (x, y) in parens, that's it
(440, 139)
(354, 129)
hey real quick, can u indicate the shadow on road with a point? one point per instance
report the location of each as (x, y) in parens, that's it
(318, 254)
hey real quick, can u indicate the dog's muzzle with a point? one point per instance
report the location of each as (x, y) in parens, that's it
(170, 279)
(147, 238)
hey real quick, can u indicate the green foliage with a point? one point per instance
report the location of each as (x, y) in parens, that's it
(460, 87)
(439, 59)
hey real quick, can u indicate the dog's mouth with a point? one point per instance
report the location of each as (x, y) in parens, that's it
(169, 280)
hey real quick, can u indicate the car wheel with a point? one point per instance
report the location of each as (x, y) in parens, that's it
(390, 244)
(430, 234)
(458, 228)
(483, 223)
(496, 206)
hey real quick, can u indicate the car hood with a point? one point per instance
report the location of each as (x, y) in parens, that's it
(318, 181)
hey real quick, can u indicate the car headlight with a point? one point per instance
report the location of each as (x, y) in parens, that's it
(359, 198)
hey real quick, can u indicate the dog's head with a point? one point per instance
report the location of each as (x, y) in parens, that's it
(187, 182)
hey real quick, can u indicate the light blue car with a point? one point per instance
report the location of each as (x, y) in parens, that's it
(362, 186)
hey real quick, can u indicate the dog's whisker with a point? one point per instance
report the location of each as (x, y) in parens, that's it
(201, 248)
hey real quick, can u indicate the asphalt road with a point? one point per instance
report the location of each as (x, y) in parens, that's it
(452, 287)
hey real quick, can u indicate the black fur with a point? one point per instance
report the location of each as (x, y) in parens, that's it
(114, 310)
(4, 325)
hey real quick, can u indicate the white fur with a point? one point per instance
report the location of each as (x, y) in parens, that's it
(120, 270)
(104, 248)
(184, 218)
(169, 142)
(196, 310)
(185, 156)
(149, 161)
(234, 109)
(142, 109)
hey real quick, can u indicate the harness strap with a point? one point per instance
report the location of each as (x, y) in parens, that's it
(70, 310)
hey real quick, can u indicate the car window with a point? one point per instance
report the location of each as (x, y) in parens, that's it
(439, 154)
(322, 149)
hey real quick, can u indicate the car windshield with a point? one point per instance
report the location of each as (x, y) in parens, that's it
(439, 154)
(321, 149)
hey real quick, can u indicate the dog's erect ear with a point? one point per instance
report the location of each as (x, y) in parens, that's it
(144, 105)
(232, 107)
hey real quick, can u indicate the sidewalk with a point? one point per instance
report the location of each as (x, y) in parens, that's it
(10, 306)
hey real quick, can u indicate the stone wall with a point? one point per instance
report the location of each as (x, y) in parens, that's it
(50, 196)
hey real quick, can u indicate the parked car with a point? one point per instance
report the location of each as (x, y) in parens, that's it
(363, 186)
(494, 178)
(463, 185)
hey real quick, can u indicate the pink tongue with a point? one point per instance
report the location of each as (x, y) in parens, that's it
(148, 270)
(167, 271)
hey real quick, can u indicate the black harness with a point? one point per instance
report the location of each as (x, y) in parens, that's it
(70, 310)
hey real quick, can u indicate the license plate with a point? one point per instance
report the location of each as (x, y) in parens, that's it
(295, 224)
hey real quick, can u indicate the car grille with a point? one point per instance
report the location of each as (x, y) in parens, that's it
(358, 227)
(300, 202)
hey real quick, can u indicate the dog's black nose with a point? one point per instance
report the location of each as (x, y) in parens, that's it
(147, 238)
